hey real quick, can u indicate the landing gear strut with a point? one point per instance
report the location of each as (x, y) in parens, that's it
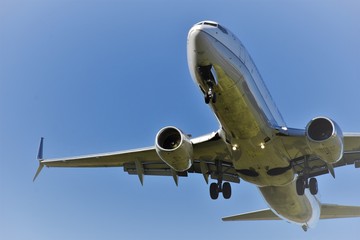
(215, 188)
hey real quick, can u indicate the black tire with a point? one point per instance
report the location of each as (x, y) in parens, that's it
(300, 186)
(226, 190)
(313, 184)
(207, 99)
(214, 98)
(214, 191)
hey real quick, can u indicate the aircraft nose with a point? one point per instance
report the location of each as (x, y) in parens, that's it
(198, 43)
(198, 40)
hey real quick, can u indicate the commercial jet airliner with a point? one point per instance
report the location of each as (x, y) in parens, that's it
(252, 143)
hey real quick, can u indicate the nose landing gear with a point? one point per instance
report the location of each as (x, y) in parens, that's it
(208, 78)
(210, 95)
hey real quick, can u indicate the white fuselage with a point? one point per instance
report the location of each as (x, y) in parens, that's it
(249, 120)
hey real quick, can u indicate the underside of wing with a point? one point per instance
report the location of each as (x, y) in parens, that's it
(265, 214)
(304, 160)
(210, 155)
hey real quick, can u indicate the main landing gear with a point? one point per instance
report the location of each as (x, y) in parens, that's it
(208, 78)
(216, 188)
(302, 184)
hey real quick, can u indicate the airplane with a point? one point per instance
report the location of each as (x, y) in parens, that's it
(252, 144)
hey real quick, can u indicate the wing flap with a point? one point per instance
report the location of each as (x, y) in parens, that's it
(229, 174)
(330, 211)
(265, 214)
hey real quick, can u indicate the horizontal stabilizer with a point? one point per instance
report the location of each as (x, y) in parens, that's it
(329, 211)
(265, 214)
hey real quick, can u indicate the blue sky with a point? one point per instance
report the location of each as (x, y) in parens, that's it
(99, 76)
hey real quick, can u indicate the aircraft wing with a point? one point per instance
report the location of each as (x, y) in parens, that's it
(207, 151)
(298, 149)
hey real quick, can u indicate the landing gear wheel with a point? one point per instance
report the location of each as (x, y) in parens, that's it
(226, 190)
(210, 95)
(207, 99)
(313, 184)
(213, 99)
(214, 191)
(300, 186)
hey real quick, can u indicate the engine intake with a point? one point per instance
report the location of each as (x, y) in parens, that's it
(325, 139)
(320, 129)
(174, 148)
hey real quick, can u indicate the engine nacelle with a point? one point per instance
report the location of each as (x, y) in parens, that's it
(174, 148)
(325, 139)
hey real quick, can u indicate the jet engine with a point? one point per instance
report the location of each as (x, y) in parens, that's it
(325, 139)
(174, 148)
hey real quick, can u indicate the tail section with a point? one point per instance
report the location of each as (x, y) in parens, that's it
(328, 211)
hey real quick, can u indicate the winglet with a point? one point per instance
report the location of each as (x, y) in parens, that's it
(38, 171)
(40, 152)
(39, 158)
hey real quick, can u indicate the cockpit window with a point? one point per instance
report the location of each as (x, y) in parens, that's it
(211, 24)
(214, 24)
(222, 29)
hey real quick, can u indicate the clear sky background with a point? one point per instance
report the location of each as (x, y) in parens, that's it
(99, 76)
